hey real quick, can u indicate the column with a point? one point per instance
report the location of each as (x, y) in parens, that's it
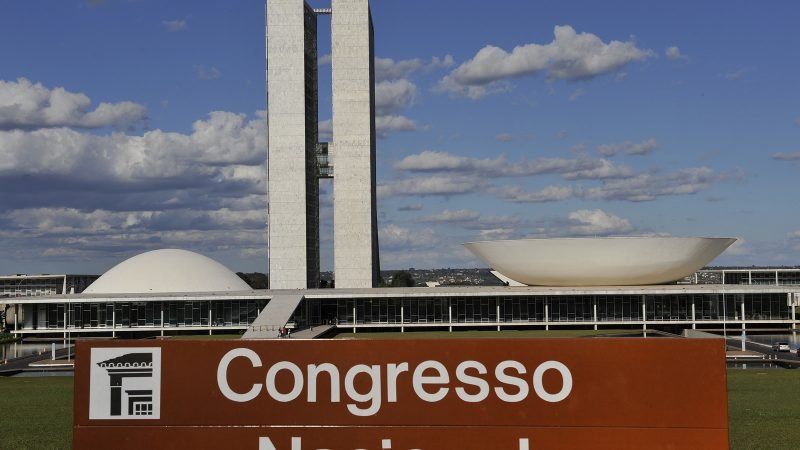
(594, 307)
(742, 309)
(644, 313)
(497, 304)
(546, 315)
(450, 314)
(694, 321)
(161, 308)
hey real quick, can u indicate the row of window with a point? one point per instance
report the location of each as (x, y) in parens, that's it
(143, 314)
(543, 308)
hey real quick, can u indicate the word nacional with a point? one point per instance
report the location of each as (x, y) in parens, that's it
(431, 381)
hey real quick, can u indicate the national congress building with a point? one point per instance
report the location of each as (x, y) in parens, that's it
(175, 291)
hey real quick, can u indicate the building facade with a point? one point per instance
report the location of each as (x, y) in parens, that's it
(713, 308)
(750, 276)
(23, 285)
(294, 169)
(292, 120)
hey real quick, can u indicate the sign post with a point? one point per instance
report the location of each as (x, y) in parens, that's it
(515, 394)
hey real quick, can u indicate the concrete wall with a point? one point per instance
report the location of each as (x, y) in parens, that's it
(289, 230)
(353, 151)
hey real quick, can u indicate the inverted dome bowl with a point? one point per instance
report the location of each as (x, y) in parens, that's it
(599, 261)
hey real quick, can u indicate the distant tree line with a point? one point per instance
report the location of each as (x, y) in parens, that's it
(402, 279)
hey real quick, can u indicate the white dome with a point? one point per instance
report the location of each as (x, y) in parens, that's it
(167, 270)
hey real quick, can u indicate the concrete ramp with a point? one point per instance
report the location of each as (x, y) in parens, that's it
(312, 333)
(274, 316)
(697, 334)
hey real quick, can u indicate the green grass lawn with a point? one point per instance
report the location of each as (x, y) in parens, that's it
(764, 408)
(36, 413)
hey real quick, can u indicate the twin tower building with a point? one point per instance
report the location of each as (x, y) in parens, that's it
(297, 160)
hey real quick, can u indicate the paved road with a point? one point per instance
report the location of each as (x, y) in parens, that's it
(785, 359)
(16, 365)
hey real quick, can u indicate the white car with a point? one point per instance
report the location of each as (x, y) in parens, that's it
(781, 347)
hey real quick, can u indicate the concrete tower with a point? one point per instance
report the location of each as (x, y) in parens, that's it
(355, 233)
(292, 120)
(294, 170)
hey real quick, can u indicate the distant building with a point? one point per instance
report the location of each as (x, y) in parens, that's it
(23, 285)
(780, 276)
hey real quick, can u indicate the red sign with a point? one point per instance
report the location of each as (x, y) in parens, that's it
(519, 394)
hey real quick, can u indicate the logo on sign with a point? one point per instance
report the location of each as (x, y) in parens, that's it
(125, 383)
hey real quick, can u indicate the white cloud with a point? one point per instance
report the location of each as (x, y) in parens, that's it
(393, 96)
(674, 54)
(786, 156)
(412, 207)
(648, 187)
(208, 73)
(636, 188)
(384, 124)
(325, 130)
(389, 69)
(76, 234)
(448, 216)
(577, 94)
(587, 222)
(504, 137)
(222, 153)
(739, 248)
(26, 106)
(548, 194)
(82, 196)
(399, 238)
(175, 25)
(570, 56)
(497, 233)
(629, 148)
(324, 59)
(571, 169)
(736, 74)
(443, 185)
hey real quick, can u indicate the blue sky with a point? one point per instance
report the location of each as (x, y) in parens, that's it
(131, 125)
